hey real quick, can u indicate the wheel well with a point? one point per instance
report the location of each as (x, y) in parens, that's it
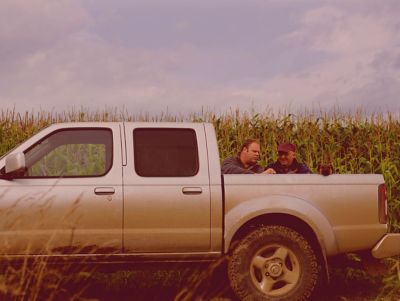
(287, 220)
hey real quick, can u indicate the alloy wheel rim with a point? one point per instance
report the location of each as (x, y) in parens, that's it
(275, 270)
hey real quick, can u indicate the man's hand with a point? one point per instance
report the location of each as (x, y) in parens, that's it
(270, 171)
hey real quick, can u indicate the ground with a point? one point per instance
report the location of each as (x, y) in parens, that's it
(350, 278)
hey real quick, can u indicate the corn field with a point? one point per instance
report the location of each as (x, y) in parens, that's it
(352, 142)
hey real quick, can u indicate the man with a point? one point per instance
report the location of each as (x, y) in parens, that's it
(246, 161)
(287, 163)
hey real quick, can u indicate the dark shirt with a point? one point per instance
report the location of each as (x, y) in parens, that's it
(295, 167)
(233, 165)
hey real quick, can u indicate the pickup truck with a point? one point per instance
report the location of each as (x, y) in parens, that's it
(154, 191)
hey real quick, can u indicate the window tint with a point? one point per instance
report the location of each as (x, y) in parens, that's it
(71, 153)
(165, 152)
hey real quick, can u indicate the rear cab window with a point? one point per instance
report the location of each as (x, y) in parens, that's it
(165, 152)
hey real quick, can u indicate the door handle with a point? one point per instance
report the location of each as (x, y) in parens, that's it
(104, 190)
(192, 190)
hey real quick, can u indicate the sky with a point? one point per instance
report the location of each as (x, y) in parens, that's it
(186, 56)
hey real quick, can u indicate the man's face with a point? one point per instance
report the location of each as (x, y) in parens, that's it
(286, 158)
(251, 155)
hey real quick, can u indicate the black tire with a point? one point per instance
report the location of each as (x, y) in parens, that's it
(273, 263)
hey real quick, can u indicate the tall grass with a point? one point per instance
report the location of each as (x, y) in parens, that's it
(353, 142)
(36, 277)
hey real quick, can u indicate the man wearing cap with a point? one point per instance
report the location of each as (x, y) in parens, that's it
(287, 163)
(246, 161)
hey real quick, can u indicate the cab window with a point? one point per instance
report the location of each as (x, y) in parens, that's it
(71, 153)
(165, 152)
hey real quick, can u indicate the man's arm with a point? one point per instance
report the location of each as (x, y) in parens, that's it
(269, 170)
(303, 169)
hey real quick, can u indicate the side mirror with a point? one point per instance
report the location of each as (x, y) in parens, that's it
(15, 163)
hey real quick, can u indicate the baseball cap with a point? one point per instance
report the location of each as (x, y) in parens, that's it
(286, 147)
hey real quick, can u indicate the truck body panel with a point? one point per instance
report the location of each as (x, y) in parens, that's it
(63, 215)
(159, 216)
(322, 202)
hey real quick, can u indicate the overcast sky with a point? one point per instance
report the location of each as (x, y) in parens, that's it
(184, 55)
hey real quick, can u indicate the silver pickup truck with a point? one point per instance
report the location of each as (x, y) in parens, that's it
(129, 191)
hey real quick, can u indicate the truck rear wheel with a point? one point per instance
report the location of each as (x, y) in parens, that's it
(273, 263)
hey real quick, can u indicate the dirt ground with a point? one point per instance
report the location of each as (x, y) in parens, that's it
(181, 282)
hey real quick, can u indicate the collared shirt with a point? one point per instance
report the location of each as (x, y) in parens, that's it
(294, 168)
(233, 165)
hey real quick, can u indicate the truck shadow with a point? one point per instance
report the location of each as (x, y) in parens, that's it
(210, 283)
(161, 282)
(202, 283)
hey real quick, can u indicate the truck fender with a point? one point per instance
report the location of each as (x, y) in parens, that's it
(290, 205)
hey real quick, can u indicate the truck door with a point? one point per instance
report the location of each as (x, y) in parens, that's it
(166, 189)
(70, 198)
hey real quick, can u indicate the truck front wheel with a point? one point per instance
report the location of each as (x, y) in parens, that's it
(273, 263)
